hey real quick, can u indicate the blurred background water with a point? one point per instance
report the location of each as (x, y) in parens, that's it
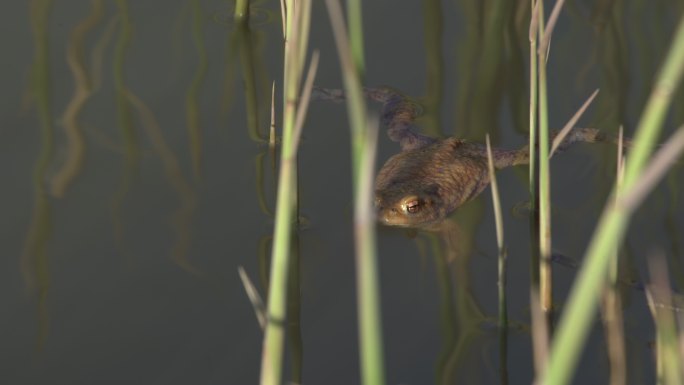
(137, 177)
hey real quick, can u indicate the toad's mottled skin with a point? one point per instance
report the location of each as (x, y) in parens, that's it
(430, 178)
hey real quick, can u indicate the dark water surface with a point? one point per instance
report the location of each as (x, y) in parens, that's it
(137, 180)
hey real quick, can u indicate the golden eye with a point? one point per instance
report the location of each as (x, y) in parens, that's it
(412, 206)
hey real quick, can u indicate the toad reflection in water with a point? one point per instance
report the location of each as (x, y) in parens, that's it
(430, 177)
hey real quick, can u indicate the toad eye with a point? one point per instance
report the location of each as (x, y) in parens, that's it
(412, 205)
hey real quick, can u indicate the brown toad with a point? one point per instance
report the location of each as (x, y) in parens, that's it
(431, 177)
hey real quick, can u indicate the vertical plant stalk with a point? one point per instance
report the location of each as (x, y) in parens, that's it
(368, 292)
(533, 181)
(576, 321)
(241, 11)
(356, 37)
(503, 307)
(356, 107)
(545, 273)
(302, 44)
(294, 301)
(540, 335)
(545, 277)
(612, 304)
(364, 138)
(274, 336)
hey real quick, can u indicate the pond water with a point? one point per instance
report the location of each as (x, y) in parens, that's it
(137, 179)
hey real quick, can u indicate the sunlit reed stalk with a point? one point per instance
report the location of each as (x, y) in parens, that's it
(503, 311)
(540, 339)
(364, 137)
(534, 22)
(356, 36)
(241, 10)
(368, 286)
(545, 274)
(302, 44)
(576, 321)
(356, 106)
(296, 23)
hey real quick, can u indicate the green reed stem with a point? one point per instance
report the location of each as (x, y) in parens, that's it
(364, 137)
(612, 304)
(539, 328)
(545, 277)
(368, 292)
(241, 10)
(356, 36)
(534, 24)
(576, 321)
(274, 336)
